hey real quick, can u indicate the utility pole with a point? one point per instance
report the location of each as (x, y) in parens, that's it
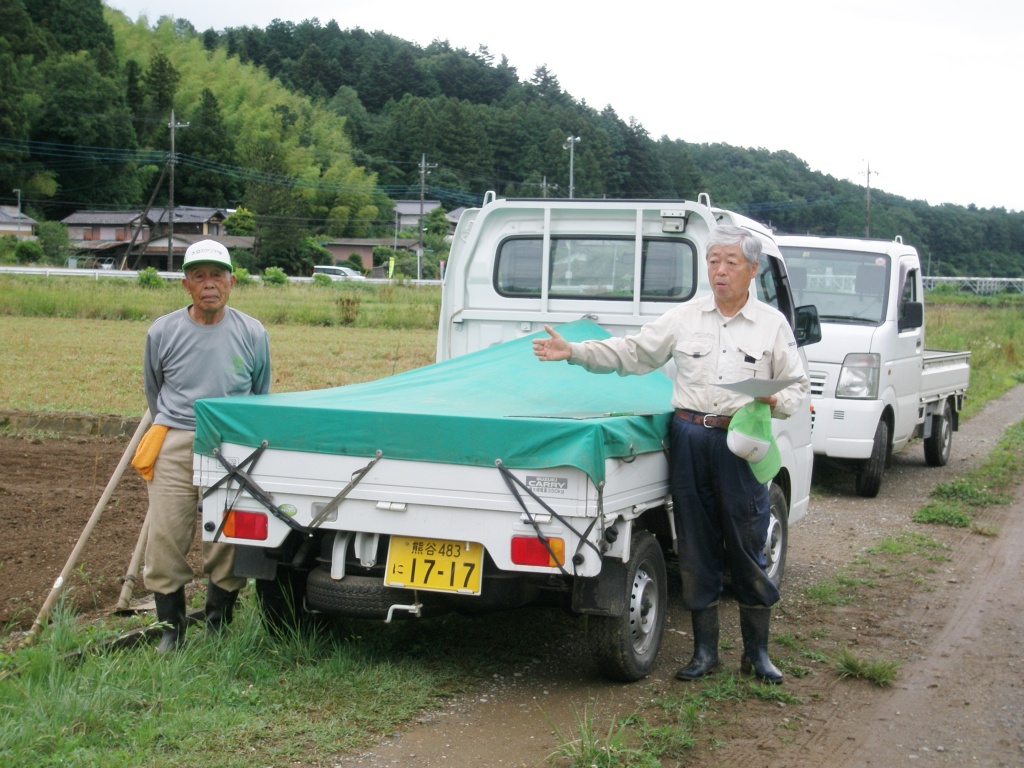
(570, 144)
(170, 211)
(424, 170)
(18, 193)
(867, 209)
(545, 186)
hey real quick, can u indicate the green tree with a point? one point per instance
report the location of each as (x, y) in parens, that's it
(83, 109)
(207, 150)
(241, 222)
(53, 239)
(29, 252)
(279, 209)
(161, 81)
(76, 25)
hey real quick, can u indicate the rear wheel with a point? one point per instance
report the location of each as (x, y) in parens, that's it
(869, 478)
(938, 446)
(626, 646)
(777, 542)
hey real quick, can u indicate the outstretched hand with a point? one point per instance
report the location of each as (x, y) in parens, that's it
(552, 348)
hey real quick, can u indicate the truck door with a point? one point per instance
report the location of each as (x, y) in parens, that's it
(907, 353)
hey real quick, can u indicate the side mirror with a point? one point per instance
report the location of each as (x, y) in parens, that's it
(808, 326)
(912, 317)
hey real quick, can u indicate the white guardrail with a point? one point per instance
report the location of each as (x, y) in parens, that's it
(978, 285)
(96, 274)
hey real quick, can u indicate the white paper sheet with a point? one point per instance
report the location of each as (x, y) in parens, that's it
(758, 387)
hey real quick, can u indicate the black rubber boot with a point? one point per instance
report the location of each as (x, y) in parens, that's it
(705, 644)
(220, 607)
(170, 611)
(754, 622)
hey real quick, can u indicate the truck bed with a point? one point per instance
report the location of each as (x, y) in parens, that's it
(497, 405)
(944, 373)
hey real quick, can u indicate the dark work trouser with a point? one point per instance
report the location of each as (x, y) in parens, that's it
(722, 517)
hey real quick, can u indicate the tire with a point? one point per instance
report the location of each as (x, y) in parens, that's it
(938, 446)
(776, 544)
(626, 646)
(869, 478)
(282, 600)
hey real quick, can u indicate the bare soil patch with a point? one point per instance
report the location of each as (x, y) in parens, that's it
(954, 623)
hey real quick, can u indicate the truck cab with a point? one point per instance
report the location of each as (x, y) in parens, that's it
(516, 265)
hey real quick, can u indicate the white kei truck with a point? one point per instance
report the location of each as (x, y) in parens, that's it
(874, 385)
(489, 480)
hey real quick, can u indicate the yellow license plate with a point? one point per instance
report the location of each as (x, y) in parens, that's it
(434, 564)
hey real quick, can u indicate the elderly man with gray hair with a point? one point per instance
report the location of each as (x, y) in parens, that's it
(206, 349)
(721, 509)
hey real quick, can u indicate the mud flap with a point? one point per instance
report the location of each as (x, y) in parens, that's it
(605, 594)
(253, 563)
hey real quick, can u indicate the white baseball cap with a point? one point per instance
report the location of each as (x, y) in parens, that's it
(750, 437)
(207, 252)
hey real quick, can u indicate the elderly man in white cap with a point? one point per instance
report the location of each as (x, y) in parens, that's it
(206, 349)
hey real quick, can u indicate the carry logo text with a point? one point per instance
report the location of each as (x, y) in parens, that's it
(547, 486)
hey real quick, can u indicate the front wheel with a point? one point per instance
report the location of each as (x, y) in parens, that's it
(776, 543)
(938, 446)
(869, 478)
(626, 646)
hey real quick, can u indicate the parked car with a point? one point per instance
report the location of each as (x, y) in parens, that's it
(338, 273)
(95, 262)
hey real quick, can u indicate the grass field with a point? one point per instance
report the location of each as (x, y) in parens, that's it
(76, 346)
(95, 366)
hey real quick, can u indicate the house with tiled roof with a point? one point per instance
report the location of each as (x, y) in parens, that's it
(16, 223)
(155, 253)
(342, 249)
(408, 212)
(110, 233)
(106, 226)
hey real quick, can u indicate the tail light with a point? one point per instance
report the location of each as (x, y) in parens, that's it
(530, 550)
(246, 525)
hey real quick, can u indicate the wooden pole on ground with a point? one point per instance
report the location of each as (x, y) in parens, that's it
(133, 568)
(39, 624)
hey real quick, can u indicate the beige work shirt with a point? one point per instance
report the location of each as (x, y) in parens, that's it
(708, 349)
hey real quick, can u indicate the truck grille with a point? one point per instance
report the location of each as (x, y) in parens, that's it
(818, 381)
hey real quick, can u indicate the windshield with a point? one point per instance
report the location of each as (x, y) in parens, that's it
(846, 286)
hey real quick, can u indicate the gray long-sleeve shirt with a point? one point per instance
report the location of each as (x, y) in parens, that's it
(186, 361)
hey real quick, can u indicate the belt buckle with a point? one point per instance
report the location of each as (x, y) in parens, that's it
(704, 421)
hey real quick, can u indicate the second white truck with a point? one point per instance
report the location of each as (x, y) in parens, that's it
(874, 385)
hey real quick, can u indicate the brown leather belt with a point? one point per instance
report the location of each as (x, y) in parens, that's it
(709, 420)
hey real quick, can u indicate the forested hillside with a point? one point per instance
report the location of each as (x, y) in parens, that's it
(317, 129)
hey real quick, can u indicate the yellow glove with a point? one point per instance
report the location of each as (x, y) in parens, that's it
(148, 450)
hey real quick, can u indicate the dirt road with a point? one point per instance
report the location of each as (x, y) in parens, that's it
(953, 623)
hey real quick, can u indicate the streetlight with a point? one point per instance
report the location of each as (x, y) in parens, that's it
(18, 193)
(570, 144)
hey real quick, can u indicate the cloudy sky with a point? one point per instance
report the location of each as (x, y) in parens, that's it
(925, 92)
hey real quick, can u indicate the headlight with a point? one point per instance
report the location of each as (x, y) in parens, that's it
(858, 378)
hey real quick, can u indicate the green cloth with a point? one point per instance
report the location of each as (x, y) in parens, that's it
(499, 403)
